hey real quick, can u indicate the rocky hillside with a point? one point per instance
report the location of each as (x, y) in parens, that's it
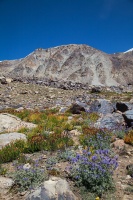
(72, 63)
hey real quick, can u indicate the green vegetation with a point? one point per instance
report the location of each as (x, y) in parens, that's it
(91, 168)
(3, 170)
(28, 177)
(11, 151)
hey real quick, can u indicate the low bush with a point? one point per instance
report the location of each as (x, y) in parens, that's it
(66, 155)
(12, 151)
(99, 139)
(3, 170)
(51, 161)
(94, 171)
(28, 177)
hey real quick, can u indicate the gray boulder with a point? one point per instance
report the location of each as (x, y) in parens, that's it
(53, 189)
(82, 104)
(9, 123)
(7, 138)
(128, 116)
(102, 106)
(110, 121)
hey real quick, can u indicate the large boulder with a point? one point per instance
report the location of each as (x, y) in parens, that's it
(102, 106)
(9, 123)
(7, 138)
(129, 114)
(53, 189)
(110, 121)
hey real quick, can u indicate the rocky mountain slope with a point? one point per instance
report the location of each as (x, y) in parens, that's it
(73, 63)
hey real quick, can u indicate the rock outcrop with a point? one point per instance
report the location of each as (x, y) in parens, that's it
(54, 188)
(10, 123)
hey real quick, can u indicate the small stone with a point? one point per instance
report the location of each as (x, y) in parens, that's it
(75, 132)
(44, 157)
(58, 165)
(128, 177)
(70, 118)
(23, 193)
(19, 109)
(63, 109)
(129, 153)
(126, 156)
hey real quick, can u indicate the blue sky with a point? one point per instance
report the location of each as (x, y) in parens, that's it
(26, 25)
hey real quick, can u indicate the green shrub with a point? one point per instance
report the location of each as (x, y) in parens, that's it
(120, 134)
(3, 171)
(94, 171)
(11, 151)
(99, 140)
(51, 161)
(28, 178)
(22, 159)
(66, 155)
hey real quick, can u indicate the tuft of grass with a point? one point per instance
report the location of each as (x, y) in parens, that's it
(93, 117)
(120, 134)
(3, 170)
(12, 151)
(129, 189)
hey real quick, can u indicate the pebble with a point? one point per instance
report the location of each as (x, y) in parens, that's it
(70, 118)
(128, 177)
(129, 153)
(126, 156)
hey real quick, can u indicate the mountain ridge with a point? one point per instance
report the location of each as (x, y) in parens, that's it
(73, 63)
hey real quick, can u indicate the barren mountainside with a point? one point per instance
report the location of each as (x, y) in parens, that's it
(75, 63)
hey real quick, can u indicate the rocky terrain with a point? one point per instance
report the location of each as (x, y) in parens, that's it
(114, 105)
(61, 97)
(67, 65)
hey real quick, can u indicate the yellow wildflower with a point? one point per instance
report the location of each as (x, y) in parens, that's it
(97, 198)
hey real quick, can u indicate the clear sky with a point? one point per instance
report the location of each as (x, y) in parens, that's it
(26, 25)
